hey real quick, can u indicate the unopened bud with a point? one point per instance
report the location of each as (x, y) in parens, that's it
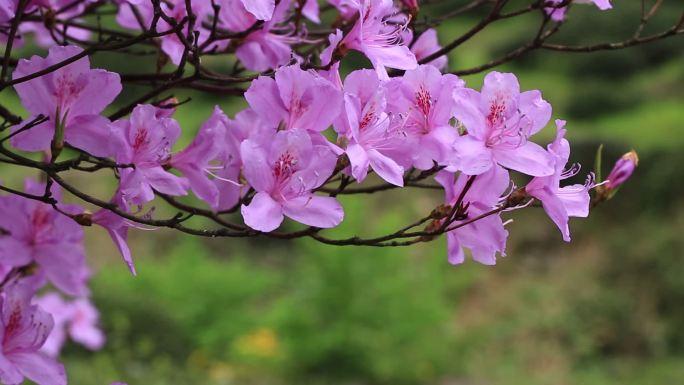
(622, 170)
(517, 198)
(441, 211)
(342, 163)
(432, 227)
(166, 108)
(84, 219)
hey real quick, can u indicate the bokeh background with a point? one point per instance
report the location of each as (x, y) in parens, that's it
(607, 308)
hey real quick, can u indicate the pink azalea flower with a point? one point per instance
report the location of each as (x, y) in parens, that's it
(78, 317)
(426, 44)
(367, 128)
(423, 103)
(83, 325)
(23, 330)
(145, 141)
(622, 171)
(499, 120)
(117, 228)
(73, 95)
(560, 203)
(487, 236)
(195, 160)
(283, 168)
(295, 99)
(40, 234)
(381, 42)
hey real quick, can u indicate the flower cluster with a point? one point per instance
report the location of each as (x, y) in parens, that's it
(39, 241)
(280, 156)
(305, 128)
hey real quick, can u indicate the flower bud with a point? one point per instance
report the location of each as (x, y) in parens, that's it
(622, 170)
(166, 108)
(84, 219)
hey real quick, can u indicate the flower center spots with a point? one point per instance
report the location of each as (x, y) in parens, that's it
(66, 88)
(285, 166)
(369, 10)
(40, 224)
(496, 113)
(368, 118)
(424, 100)
(14, 321)
(297, 109)
(140, 139)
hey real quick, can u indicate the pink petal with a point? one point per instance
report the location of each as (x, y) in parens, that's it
(426, 44)
(530, 159)
(398, 56)
(263, 213)
(358, 160)
(311, 11)
(134, 187)
(447, 179)
(265, 100)
(555, 209)
(323, 212)
(120, 238)
(40, 369)
(501, 89)
(14, 252)
(37, 138)
(468, 112)
(261, 9)
(165, 182)
(456, 256)
(472, 156)
(484, 237)
(64, 265)
(262, 51)
(229, 193)
(386, 168)
(102, 88)
(256, 166)
(576, 200)
(91, 133)
(603, 4)
(9, 372)
(535, 109)
(203, 187)
(173, 48)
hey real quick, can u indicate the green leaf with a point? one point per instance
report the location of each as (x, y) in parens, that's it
(597, 163)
